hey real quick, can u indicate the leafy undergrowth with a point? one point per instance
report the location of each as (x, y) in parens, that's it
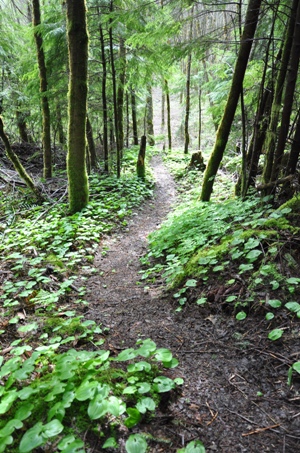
(238, 256)
(56, 382)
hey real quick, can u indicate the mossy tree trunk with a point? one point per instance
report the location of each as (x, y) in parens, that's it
(78, 57)
(17, 164)
(233, 98)
(168, 115)
(271, 136)
(288, 98)
(104, 97)
(91, 143)
(134, 119)
(46, 139)
(149, 117)
(140, 166)
(120, 94)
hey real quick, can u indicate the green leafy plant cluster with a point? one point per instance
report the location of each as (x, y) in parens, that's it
(52, 397)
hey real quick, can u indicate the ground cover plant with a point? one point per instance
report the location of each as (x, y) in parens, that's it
(52, 367)
(231, 254)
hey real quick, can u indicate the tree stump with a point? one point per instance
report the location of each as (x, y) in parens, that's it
(197, 162)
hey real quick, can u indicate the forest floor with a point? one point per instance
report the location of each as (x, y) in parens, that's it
(235, 396)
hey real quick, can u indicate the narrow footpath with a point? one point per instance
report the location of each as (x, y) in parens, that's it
(230, 399)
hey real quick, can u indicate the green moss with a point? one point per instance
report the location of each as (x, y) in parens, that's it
(293, 204)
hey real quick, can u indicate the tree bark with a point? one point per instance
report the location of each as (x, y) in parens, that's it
(233, 98)
(140, 166)
(278, 92)
(288, 98)
(168, 115)
(46, 138)
(78, 58)
(120, 94)
(134, 120)
(149, 118)
(91, 143)
(104, 98)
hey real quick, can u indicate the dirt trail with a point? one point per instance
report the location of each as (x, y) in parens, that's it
(231, 399)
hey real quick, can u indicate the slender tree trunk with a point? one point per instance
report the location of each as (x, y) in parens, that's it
(140, 166)
(18, 166)
(168, 115)
(115, 102)
(163, 101)
(46, 139)
(149, 118)
(60, 129)
(278, 92)
(187, 105)
(104, 98)
(295, 150)
(120, 95)
(233, 98)
(78, 58)
(199, 118)
(134, 121)
(288, 98)
(91, 143)
(127, 121)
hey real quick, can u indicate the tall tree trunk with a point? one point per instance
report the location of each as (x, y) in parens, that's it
(140, 165)
(199, 118)
(18, 166)
(115, 102)
(149, 118)
(60, 129)
(104, 98)
(134, 121)
(120, 94)
(91, 143)
(278, 92)
(187, 105)
(78, 58)
(168, 115)
(295, 150)
(233, 98)
(46, 139)
(288, 98)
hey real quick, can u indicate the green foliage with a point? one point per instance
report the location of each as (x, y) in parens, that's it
(58, 389)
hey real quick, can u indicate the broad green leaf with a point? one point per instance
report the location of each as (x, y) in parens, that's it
(26, 392)
(32, 439)
(28, 327)
(293, 281)
(269, 316)
(253, 255)
(86, 390)
(274, 303)
(241, 315)
(4, 441)
(130, 390)
(97, 407)
(193, 447)
(251, 244)
(7, 401)
(275, 334)
(145, 404)
(143, 387)
(52, 428)
(134, 417)
(147, 348)
(293, 306)
(115, 406)
(127, 354)
(10, 426)
(57, 411)
(296, 367)
(172, 364)
(163, 384)
(179, 381)
(10, 366)
(136, 444)
(191, 283)
(110, 443)
(139, 366)
(163, 354)
(24, 411)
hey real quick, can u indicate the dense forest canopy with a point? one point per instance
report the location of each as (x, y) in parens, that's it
(192, 50)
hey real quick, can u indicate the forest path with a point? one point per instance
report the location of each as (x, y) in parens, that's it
(114, 288)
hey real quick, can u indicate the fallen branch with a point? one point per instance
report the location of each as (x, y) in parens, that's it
(271, 184)
(260, 430)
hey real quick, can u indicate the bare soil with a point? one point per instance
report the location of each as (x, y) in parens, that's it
(235, 396)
